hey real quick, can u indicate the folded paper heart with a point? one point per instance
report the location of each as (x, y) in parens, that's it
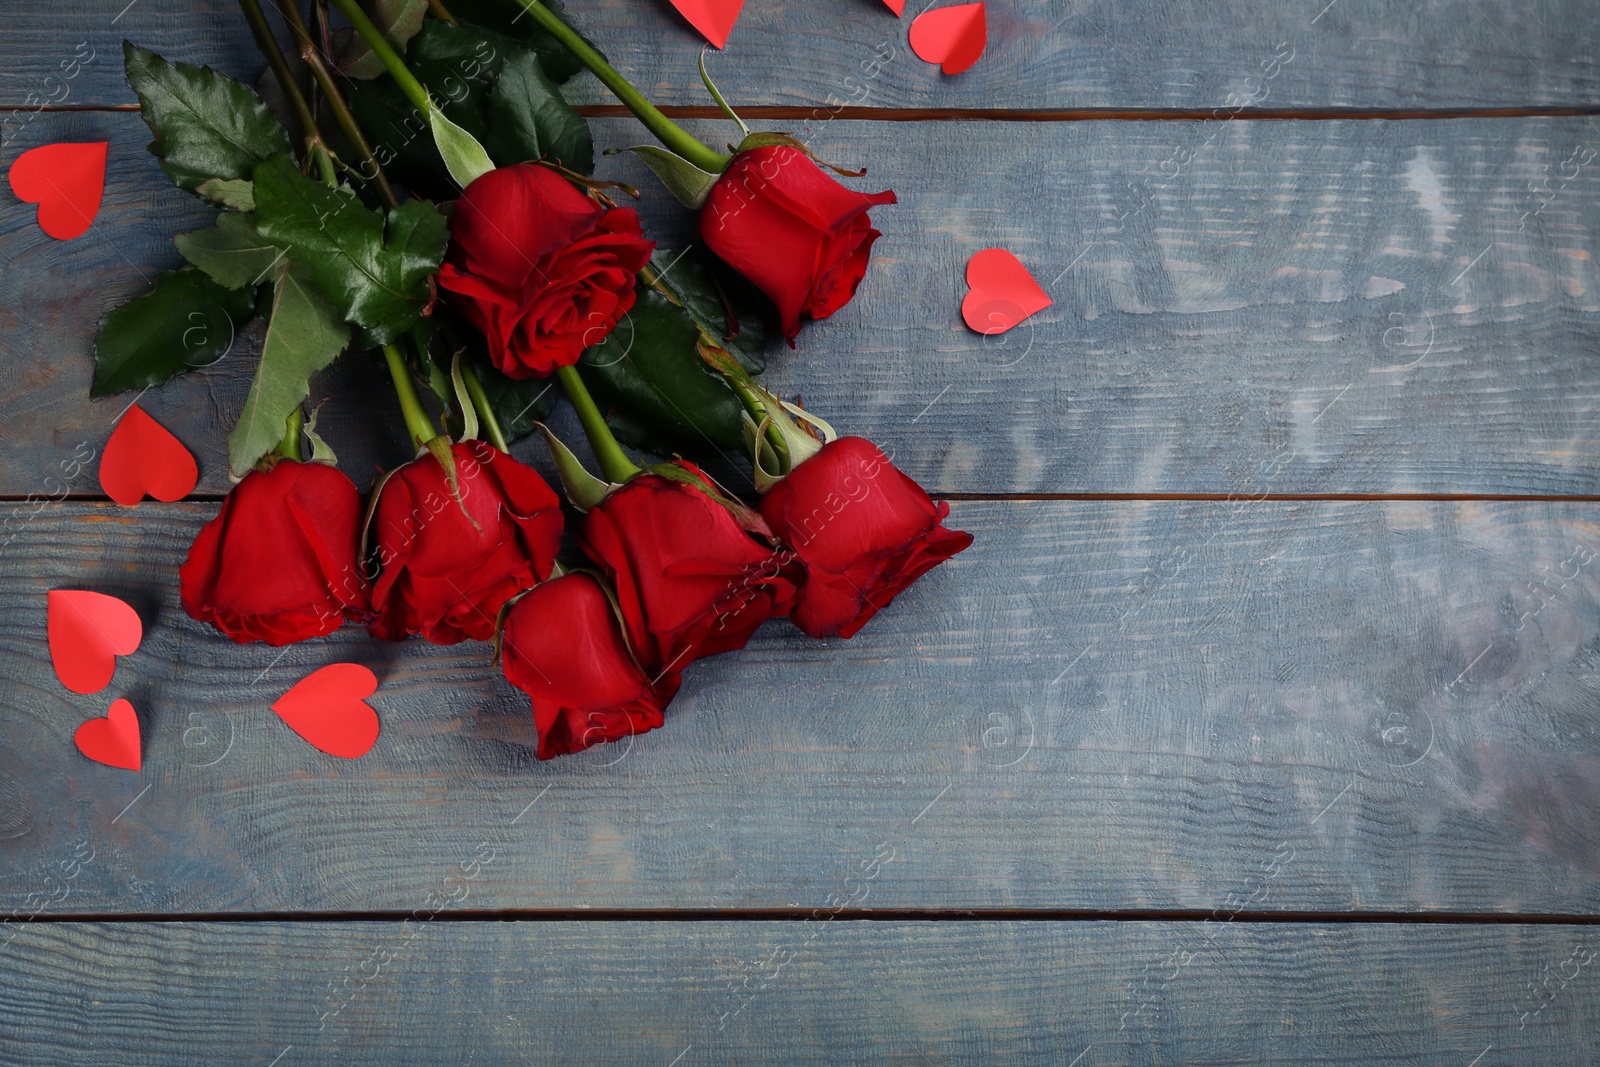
(1001, 292)
(897, 6)
(953, 37)
(713, 18)
(87, 632)
(143, 458)
(67, 181)
(113, 740)
(328, 708)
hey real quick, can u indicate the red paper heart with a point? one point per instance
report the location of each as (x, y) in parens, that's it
(87, 632)
(713, 18)
(66, 181)
(952, 37)
(113, 740)
(1002, 292)
(897, 6)
(328, 708)
(142, 458)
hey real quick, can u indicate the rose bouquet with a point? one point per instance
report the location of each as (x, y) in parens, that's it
(423, 192)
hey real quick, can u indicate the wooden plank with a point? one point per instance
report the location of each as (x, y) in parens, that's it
(1305, 706)
(1087, 54)
(798, 993)
(70, 55)
(1384, 305)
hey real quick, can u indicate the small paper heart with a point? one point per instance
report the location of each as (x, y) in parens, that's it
(328, 708)
(87, 632)
(713, 18)
(1001, 292)
(67, 181)
(953, 37)
(143, 458)
(897, 6)
(113, 740)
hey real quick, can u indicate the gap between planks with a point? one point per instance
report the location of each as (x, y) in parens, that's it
(1061, 915)
(1426, 498)
(1090, 114)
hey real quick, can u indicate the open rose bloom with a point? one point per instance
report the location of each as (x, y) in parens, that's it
(540, 268)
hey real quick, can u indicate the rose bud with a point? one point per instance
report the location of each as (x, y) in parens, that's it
(691, 579)
(801, 237)
(447, 565)
(563, 647)
(278, 563)
(540, 268)
(863, 529)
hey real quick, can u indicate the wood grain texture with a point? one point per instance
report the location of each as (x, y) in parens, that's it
(1385, 304)
(690, 993)
(1041, 54)
(1295, 706)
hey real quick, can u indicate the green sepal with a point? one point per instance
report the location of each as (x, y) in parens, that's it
(463, 156)
(469, 413)
(583, 489)
(687, 182)
(440, 449)
(320, 452)
(768, 139)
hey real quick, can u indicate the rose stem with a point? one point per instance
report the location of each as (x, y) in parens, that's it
(291, 89)
(289, 447)
(312, 57)
(440, 11)
(480, 400)
(387, 55)
(614, 463)
(667, 132)
(417, 421)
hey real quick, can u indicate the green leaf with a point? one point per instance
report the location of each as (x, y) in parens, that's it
(518, 403)
(186, 321)
(528, 119)
(683, 179)
(399, 20)
(234, 193)
(231, 252)
(506, 18)
(458, 65)
(206, 124)
(374, 272)
(304, 335)
(689, 277)
(650, 368)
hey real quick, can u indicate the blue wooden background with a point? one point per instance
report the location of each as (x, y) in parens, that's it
(1260, 725)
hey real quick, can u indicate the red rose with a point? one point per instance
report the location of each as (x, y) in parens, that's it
(278, 563)
(445, 575)
(863, 530)
(541, 269)
(690, 578)
(563, 647)
(800, 236)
